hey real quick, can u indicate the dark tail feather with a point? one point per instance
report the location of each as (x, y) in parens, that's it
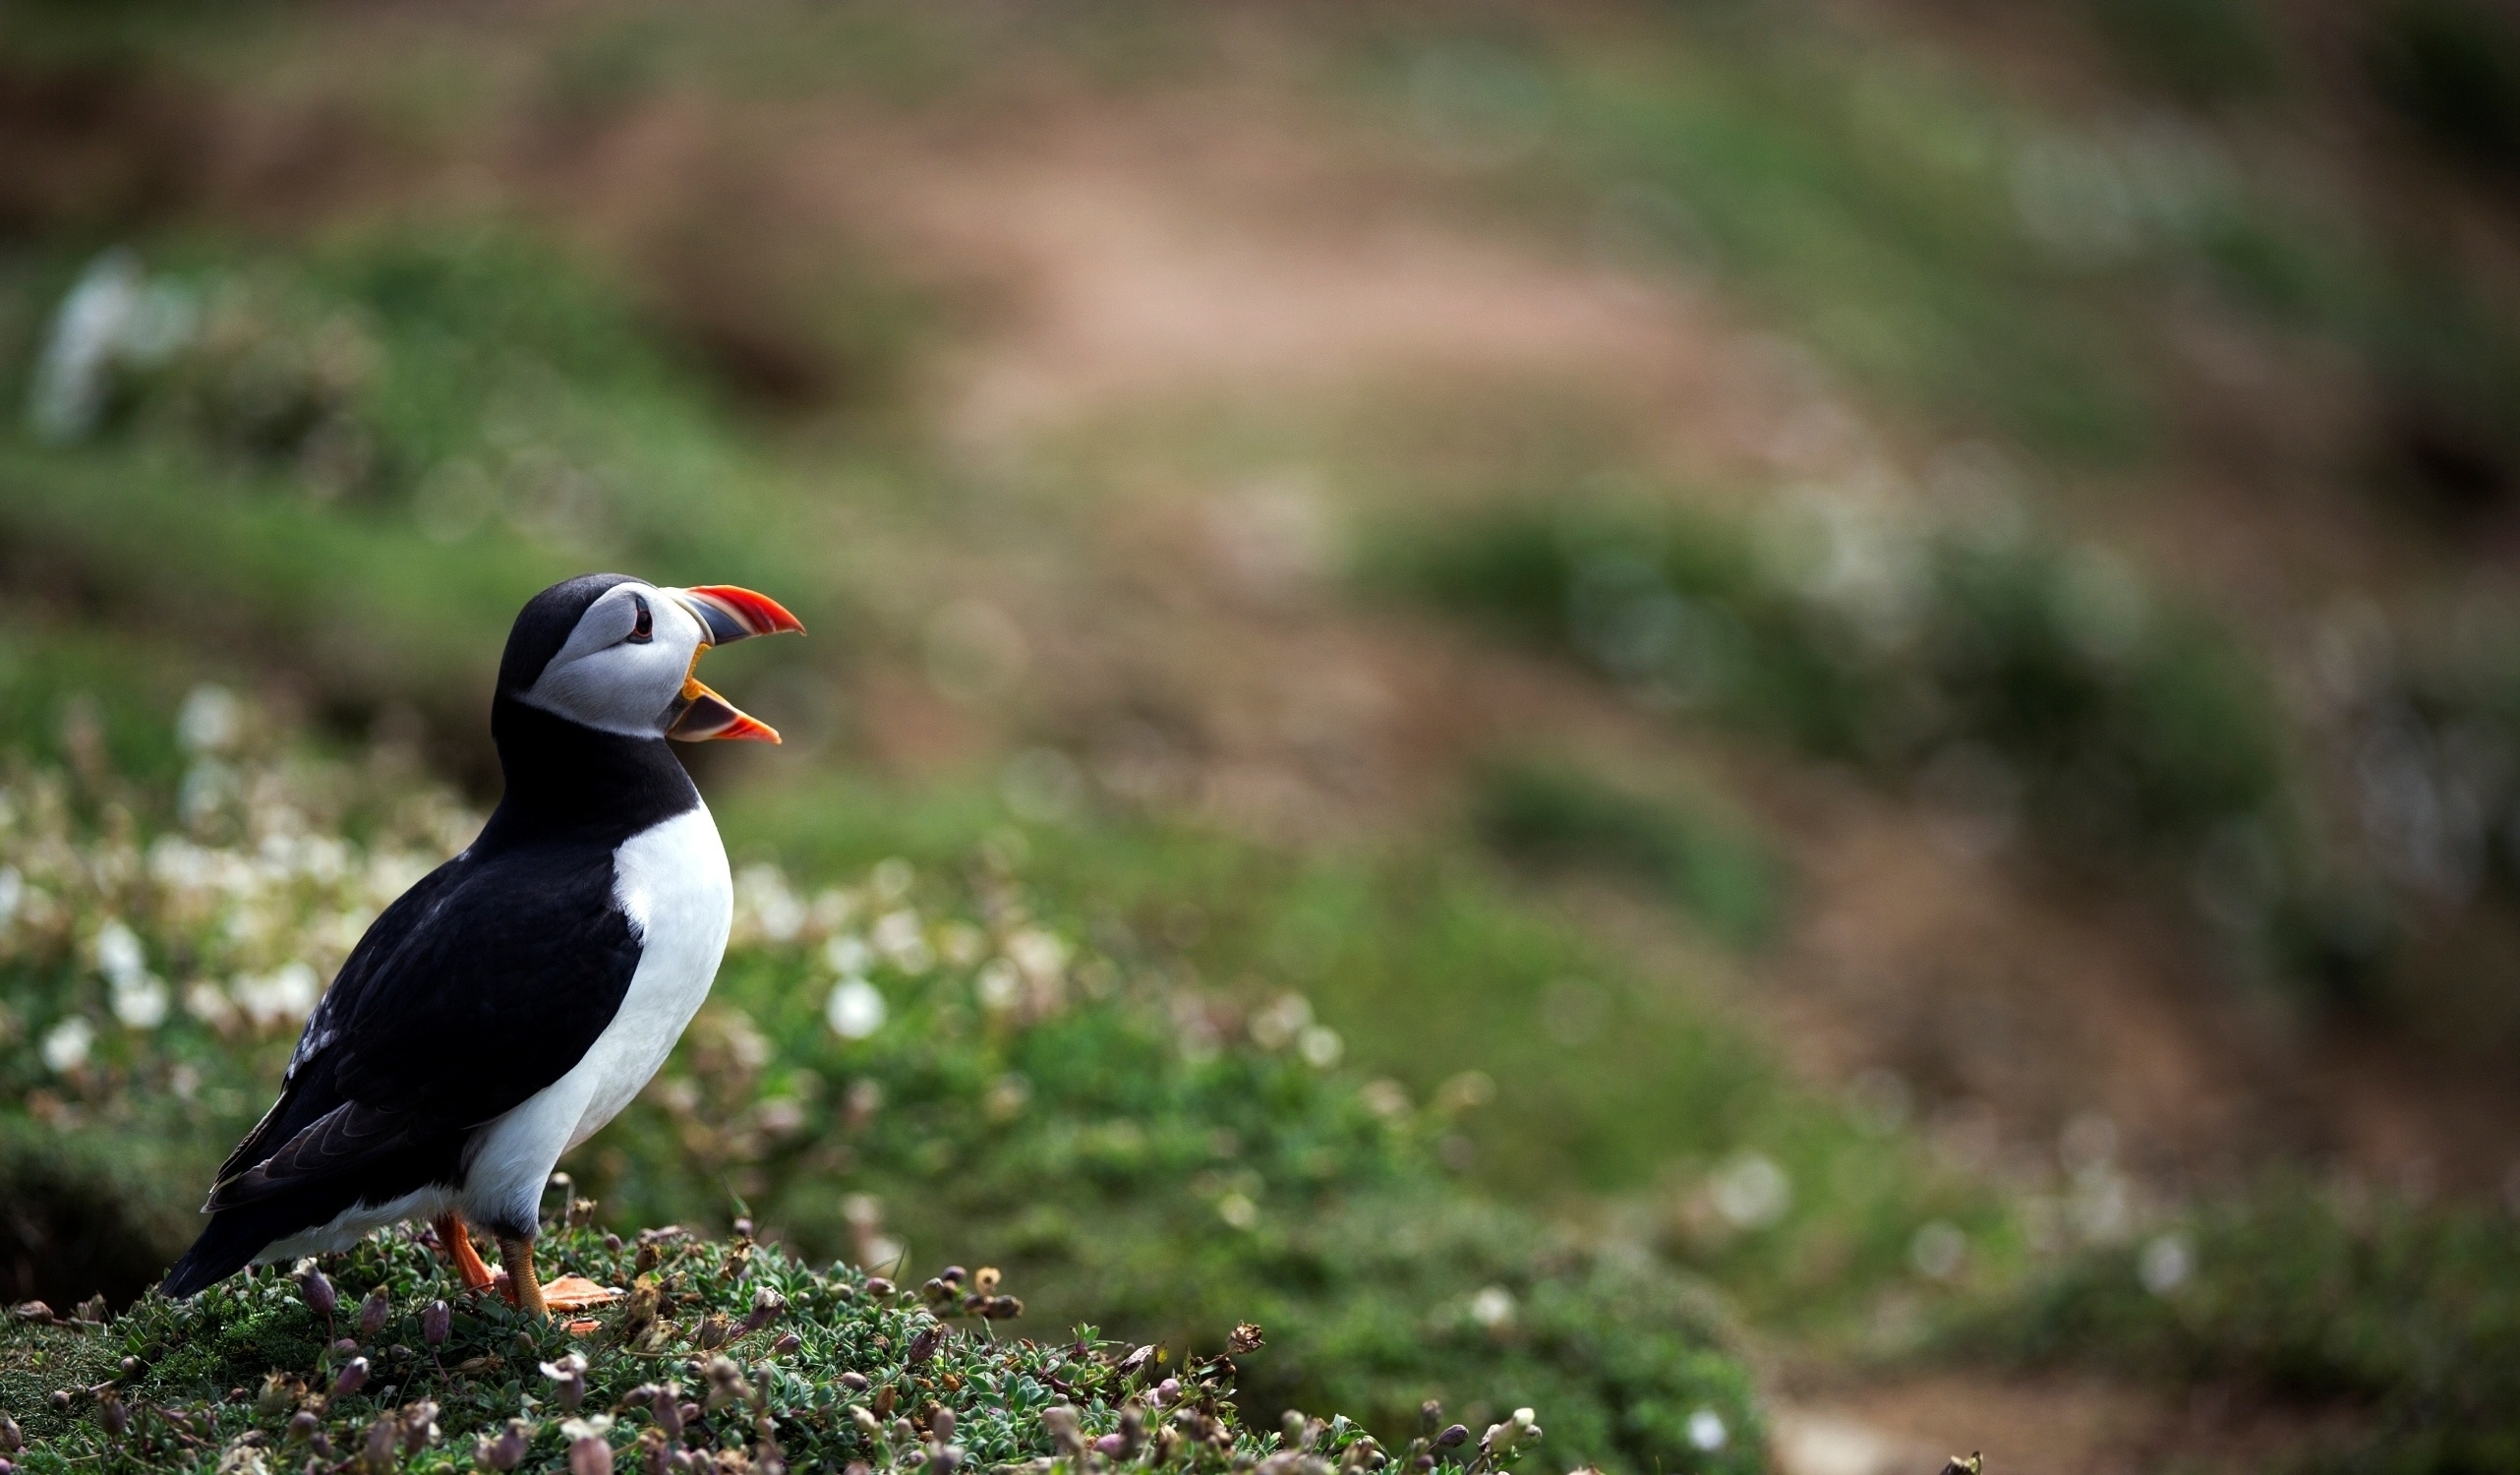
(233, 1238)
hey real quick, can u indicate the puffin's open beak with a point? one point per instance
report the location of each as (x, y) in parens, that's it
(726, 614)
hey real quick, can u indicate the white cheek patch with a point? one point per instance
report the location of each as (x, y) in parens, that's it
(600, 679)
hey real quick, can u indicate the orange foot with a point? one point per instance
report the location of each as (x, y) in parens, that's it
(457, 1242)
(577, 1293)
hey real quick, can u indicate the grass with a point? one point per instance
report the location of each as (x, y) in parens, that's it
(2032, 691)
(1132, 1150)
(1590, 1080)
(1137, 1150)
(1716, 872)
(2021, 681)
(2321, 1297)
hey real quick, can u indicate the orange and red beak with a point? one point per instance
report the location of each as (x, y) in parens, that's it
(727, 614)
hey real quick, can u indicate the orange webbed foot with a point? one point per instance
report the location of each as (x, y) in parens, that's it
(457, 1242)
(577, 1293)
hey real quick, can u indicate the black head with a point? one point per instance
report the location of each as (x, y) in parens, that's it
(614, 653)
(544, 625)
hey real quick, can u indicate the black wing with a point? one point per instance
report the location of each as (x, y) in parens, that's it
(480, 985)
(391, 929)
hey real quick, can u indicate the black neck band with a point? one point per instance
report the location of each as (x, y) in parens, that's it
(566, 780)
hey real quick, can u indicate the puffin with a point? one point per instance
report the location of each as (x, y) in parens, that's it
(514, 999)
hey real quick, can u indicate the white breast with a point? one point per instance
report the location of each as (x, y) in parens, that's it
(672, 882)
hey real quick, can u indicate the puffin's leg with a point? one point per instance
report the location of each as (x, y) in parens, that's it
(457, 1242)
(516, 1257)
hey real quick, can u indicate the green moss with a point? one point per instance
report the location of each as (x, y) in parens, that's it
(784, 1362)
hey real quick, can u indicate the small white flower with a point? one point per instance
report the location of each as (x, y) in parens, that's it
(284, 995)
(961, 944)
(119, 955)
(211, 720)
(1707, 1431)
(113, 317)
(901, 941)
(205, 1001)
(1752, 1191)
(141, 1004)
(1238, 1210)
(1321, 1046)
(855, 1010)
(1285, 1017)
(997, 985)
(1492, 1307)
(775, 909)
(2166, 1264)
(1040, 954)
(849, 955)
(65, 1045)
(1938, 1250)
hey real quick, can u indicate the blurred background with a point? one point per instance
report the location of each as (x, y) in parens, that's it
(1793, 726)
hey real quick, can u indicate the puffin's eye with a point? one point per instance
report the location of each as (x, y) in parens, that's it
(643, 629)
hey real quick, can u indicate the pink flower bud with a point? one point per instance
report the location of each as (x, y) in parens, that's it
(352, 1378)
(372, 1313)
(589, 1455)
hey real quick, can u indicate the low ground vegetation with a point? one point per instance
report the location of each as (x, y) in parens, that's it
(726, 1356)
(891, 1066)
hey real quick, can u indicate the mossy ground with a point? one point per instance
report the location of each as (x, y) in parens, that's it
(785, 1365)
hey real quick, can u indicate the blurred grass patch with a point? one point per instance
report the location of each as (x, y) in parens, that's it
(1716, 871)
(1996, 674)
(362, 456)
(1866, 205)
(1556, 1072)
(2311, 1296)
(2019, 689)
(2207, 51)
(2000, 266)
